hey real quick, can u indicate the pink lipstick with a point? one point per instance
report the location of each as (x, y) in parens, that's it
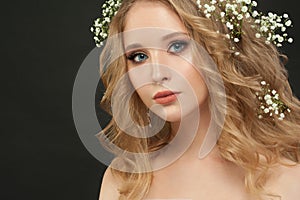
(165, 97)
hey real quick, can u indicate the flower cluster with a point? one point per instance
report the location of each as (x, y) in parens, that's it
(233, 13)
(270, 24)
(270, 103)
(101, 25)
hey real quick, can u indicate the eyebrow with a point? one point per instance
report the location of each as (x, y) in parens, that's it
(166, 37)
(174, 34)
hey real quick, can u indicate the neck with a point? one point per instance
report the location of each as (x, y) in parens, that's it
(195, 131)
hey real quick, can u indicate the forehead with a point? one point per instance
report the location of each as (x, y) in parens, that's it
(152, 14)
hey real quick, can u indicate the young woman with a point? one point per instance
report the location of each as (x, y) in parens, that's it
(232, 126)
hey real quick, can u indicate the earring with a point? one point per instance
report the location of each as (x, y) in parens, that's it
(149, 118)
(270, 103)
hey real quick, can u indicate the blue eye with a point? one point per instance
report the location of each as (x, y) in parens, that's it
(137, 57)
(177, 47)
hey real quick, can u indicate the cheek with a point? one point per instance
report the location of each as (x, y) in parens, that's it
(145, 95)
(198, 84)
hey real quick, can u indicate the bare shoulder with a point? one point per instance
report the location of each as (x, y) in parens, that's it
(285, 181)
(109, 187)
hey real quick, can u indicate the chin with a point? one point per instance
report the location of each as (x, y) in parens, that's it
(169, 113)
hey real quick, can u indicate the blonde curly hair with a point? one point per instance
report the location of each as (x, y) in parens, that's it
(253, 144)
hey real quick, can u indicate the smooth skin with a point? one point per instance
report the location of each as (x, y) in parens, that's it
(211, 178)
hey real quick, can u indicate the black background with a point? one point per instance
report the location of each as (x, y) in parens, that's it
(43, 44)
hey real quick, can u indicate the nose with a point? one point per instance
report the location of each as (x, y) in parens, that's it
(160, 72)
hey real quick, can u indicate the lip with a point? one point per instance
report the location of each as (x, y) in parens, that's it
(165, 97)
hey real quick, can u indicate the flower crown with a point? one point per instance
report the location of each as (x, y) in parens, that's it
(272, 26)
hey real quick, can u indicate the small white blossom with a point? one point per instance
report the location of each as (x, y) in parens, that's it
(254, 3)
(240, 17)
(280, 39)
(288, 23)
(267, 97)
(266, 110)
(244, 9)
(247, 15)
(290, 40)
(213, 1)
(236, 40)
(269, 102)
(257, 35)
(229, 25)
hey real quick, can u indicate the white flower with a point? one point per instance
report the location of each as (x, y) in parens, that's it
(208, 15)
(271, 15)
(236, 40)
(267, 97)
(257, 35)
(267, 42)
(254, 3)
(247, 1)
(211, 8)
(290, 40)
(285, 15)
(288, 23)
(213, 1)
(254, 13)
(283, 29)
(282, 115)
(240, 16)
(222, 14)
(274, 92)
(247, 15)
(266, 110)
(280, 39)
(263, 29)
(229, 25)
(244, 9)
(269, 102)
(263, 83)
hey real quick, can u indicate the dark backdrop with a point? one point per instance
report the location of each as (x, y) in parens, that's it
(43, 44)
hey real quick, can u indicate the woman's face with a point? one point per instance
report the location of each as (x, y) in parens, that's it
(159, 61)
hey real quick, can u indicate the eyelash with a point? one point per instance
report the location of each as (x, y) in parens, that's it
(183, 44)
